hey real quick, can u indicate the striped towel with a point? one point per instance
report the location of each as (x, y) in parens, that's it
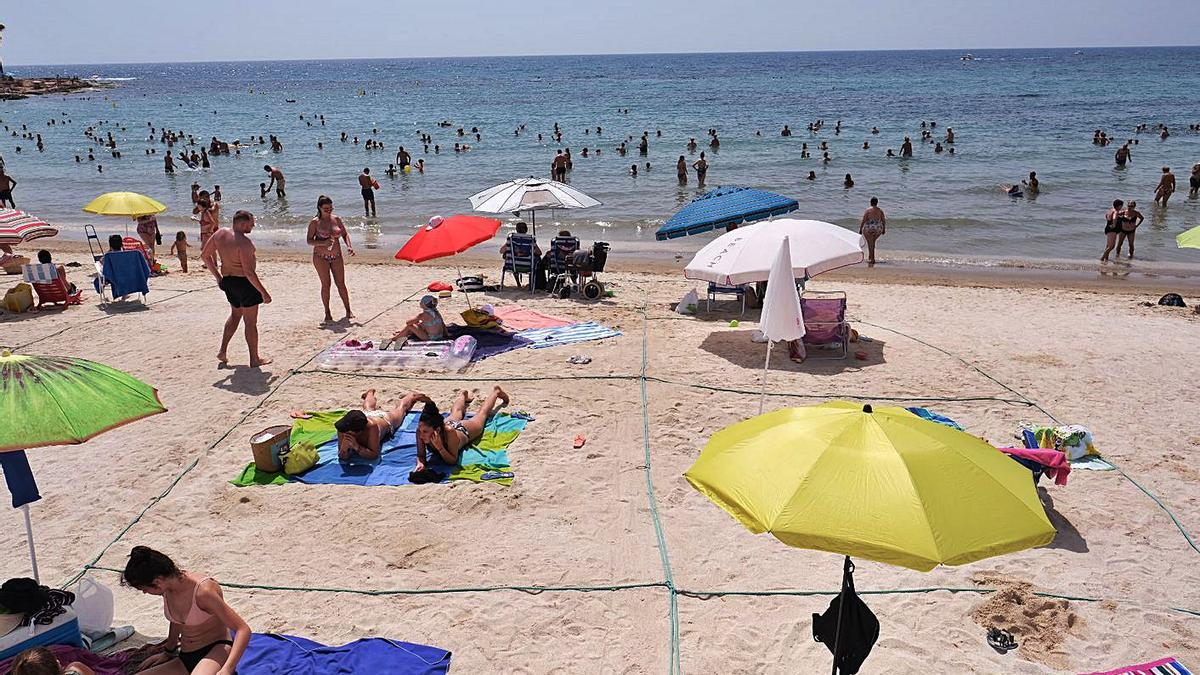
(577, 332)
(1167, 666)
(41, 273)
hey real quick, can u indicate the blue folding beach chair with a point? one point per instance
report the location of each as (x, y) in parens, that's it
(738, 292)
(122, 273)
(519, 258)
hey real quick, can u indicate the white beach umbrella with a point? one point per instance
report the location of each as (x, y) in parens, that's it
(745, 255)
(530, 194)
(781, 318)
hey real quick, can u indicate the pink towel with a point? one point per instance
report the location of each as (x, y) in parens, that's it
(1057, 466)
(517, 318)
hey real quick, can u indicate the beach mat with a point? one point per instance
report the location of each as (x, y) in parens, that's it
(516, 317)
(489, 343)
(269, 654)
(566, 335)
(485, 461)
(1167, 666)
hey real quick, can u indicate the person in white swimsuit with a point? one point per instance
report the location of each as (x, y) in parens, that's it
(872, 226)
(361, 433)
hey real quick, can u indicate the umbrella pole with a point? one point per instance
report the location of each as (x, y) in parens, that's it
(465, 292)
(762, 399)
(29, 538)
(847, 567)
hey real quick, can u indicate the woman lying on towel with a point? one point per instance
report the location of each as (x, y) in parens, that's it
(428, 325)
(361, 433)
(207, 636)
(448, 436)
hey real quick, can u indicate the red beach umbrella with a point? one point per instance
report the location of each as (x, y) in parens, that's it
(447, 236)
(17, 227)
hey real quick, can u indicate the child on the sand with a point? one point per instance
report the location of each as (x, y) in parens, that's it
(41, 661)
(179, 248)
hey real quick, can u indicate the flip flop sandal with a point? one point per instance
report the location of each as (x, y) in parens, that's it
(1001, 640)
(579, 360)
(579, 441)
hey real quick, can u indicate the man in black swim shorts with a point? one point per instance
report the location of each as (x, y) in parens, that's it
(230, 256)
(368, 191)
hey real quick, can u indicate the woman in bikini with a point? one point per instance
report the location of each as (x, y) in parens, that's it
(324, 231)
(361, 433)
(1114, 223)
(207, 637)
(209, 213)
(446, 437)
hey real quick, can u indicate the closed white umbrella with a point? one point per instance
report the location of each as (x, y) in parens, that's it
(745, 255)
(781, 319)
(530, 194)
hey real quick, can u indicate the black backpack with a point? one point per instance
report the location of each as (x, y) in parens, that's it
(1172, 300)
(860, 630)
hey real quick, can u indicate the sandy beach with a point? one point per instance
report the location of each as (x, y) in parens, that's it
(604, 559)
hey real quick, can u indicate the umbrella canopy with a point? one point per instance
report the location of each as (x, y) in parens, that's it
(1189, 239)
(879, 484)
(781, 318)
(530, 194)
(725, 206)
(124, 204)
(58, 400)
(18, 227)
(745, 254)
(447, 236)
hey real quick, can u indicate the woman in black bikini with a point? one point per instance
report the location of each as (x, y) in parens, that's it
(324, 231)
(200, 639)
(447, 437)
(1114, 222)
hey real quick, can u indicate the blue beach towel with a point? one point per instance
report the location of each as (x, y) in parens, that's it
(925, 413)
(540, 338)
(269, 654)
(126, 271)
(479, 462)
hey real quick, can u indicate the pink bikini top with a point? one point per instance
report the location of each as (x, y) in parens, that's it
(195, 615)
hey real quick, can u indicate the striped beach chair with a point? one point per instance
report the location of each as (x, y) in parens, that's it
(50, 286)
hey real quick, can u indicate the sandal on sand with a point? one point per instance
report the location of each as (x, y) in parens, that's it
(579, 360)
(1001, 640)
(579, 441)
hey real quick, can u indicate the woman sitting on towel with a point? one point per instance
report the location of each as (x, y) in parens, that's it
(447, 437)
(428, 325)
(200, 639)
(361, 433)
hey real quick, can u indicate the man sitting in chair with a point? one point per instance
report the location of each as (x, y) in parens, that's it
(523, 230)
(44, 258)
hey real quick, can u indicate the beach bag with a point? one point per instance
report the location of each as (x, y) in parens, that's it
(859, 630)
(268, 445)
(689, 302)
(19, 298)
(1172, 300)
(299, 459)
(468, 284)
(477, 318)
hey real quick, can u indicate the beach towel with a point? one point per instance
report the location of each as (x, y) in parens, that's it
(927, 414)
(126, 271)
(269, 654)
(1167, 666)
(1073, 440)
(489, 342)
(485, 461)
(566, 335)
(516, 317)
(1051, 462)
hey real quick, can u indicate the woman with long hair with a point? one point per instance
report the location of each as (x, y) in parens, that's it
(446, 437)
(324, 231)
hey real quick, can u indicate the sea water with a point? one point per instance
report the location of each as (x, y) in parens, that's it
(1012, 111)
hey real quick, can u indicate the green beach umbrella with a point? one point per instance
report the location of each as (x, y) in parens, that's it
(59, 400)
(1189, 239)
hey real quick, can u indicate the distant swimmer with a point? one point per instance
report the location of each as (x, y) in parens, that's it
(949, 136)
(874, 130)
(786, 131)
(848, 182)
(866, 145)
(812, 175)
(715, 143)
(681, 170)
(1012, 190)
(701, 167)
(691, 146)
(368, 186)
(1031, 184)
(277, 180)
(1166, 187)
(1194, 181)
(168, 162)
(906, 147)
(891, 153)
(1123, 155)
(403, 159)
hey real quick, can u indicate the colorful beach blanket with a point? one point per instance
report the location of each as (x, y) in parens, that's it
(565, 335)
(485, 461)
(516, 317)
(489, 343)
(1167, 666)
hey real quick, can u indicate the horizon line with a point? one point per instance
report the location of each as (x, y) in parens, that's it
(599, 54)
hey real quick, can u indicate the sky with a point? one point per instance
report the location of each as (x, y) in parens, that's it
(46, 32)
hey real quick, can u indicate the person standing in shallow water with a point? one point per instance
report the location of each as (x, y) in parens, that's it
(1114, 222)
(701, 167)
(872, 226)
(1166, 187)
(681, 170)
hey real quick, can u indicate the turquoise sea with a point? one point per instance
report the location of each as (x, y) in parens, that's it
(1013, 111)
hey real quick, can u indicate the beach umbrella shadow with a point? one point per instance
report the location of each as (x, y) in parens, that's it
(736, 347)
(1067, 537)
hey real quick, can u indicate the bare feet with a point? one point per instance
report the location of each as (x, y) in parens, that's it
(328, 319)
(468, 397)
(501, 396)
(259, 362)
(369, 400)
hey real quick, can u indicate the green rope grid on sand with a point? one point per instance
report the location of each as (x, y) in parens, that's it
(1170, 514)
(195, 462)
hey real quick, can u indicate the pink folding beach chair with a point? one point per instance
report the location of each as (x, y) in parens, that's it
(825, 324)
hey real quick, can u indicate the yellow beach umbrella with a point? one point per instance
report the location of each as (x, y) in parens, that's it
(129, 204)
(1189, 239)
(879, 484)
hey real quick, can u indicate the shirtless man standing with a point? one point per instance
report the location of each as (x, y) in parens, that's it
(1194, 181)
(277, 180)
(906, 147)
(235, 274)
(7, 183)
(1123, 155)
(368, 191)
(1166, 187)
(403, 159)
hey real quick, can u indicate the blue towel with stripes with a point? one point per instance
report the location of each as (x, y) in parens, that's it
(540, 338)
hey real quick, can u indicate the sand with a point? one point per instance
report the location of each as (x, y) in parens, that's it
(573, 519)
